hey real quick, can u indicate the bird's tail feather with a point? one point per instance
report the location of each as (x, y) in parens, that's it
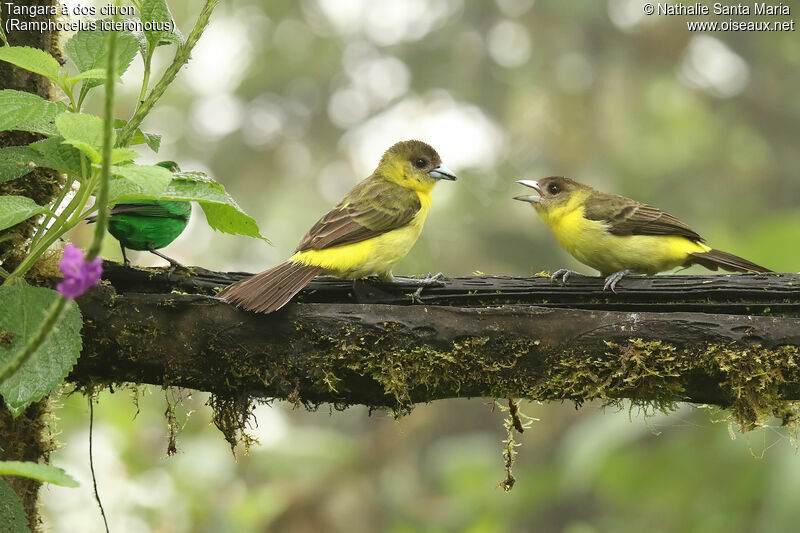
(717, 258)
(272, 289)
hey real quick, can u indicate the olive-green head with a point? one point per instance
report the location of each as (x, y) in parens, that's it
(414, 165)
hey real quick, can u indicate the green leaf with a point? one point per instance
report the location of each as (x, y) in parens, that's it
(12, 515)
(59, 156)
(28, 112)
(50, 364)
(123, 155)
(16, 161)
(42, 472)
(84, 132)
(94, 74)
(139, 137)
(138, 181)
(32, 59)
(222, 211)
(15, 209)
(155, 11)
(151, 139)
(87, 49)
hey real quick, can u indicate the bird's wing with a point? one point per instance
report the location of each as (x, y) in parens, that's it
(145, 210)
(629, 217)
(372, 208)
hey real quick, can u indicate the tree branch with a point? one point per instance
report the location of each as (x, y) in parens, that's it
(731, 340)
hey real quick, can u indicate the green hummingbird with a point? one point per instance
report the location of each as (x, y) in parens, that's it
(149, 224)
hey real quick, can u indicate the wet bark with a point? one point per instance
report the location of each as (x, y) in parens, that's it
(376, 346)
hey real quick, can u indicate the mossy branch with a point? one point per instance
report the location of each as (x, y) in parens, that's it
(397, 354)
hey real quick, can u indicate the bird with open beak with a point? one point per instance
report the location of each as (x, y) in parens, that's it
(619, 236)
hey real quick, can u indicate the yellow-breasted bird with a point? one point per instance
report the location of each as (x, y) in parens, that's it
(619, 236)
(368, 232)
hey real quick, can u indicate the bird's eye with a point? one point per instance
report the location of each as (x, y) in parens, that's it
(554, 188)
(420, 163)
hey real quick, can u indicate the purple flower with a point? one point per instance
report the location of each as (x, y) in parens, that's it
(79, 275)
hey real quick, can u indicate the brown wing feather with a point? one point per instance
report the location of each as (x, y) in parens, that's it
(629, 217)
(371, 208)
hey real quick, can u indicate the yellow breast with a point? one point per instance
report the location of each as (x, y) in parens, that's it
(372, 256)
(590, 242)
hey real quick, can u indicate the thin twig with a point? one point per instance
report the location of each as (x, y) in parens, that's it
(91, 462)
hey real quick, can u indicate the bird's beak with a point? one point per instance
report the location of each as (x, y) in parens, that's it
(442, 173)
(534, 199)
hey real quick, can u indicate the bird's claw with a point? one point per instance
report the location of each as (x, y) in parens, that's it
(613, 279)
(431, 280)
(562, 275)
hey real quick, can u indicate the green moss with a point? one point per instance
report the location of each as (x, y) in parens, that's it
(233, 416)
(652, 375)
(387, 365)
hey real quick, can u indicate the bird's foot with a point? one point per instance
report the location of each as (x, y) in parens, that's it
(611, 280)
(172, 263)
(125, 260)
(434, 280)
(562, 275)
(431, 280)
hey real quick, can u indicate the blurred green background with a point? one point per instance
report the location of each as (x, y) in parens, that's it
(290, 103)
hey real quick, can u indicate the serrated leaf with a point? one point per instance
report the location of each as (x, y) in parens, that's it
(55, 357)
(16, 161)
(28, 112)
(153, 140)
(15, 209)
(138, 181)
(222, 211)
(59, 156)
(31, 59)
(87, 49)
(12, 515)
(154, 11)
(42, 472)
(84, 132)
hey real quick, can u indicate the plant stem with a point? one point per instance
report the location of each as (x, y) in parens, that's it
(148, 60)
(108, 144)
(47, 219)
(63, 223)
(180, 59)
